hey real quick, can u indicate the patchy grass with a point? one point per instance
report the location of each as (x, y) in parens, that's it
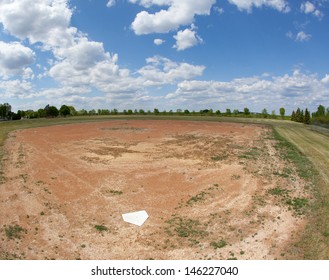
(220, 244)
(289, 152)
(278, 191)
(14, 232)
(183, 228)
(219, 157)
(101, 228)
(197, 198)
(298, 204)
(115, 192)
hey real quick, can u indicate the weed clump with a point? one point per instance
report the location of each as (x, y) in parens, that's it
(15, 231)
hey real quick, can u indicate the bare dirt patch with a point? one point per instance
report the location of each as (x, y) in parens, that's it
(212, 191)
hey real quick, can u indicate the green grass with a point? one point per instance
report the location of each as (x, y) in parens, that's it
(183, 228)
(13, 232)
(101, 228)
(278, 191)
(197, 198)
(219, 157)
(115, 192)
(220, 244)
(289, 152)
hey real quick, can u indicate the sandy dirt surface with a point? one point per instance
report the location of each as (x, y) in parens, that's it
(212, 191)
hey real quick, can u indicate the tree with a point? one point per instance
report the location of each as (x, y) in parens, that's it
(246, 111)
(236, 112)
(5, 111)
(73, 112)
(307, 117)
(293, 116)
(186, 112)
(228, 112)
(282, 112)
(156, 111)
(53, 112)
(64, 110)
(264, 113)
(321, 111)
(41, 113)
(273, 116)
(298, 113)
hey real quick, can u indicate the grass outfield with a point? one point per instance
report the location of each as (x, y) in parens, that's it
(307, 149)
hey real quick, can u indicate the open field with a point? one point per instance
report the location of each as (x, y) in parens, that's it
(212, 190)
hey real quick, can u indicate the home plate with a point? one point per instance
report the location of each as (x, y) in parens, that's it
(137, 218)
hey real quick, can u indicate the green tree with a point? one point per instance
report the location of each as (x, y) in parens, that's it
(228, 112)
(53, 112)
(41, 113)
(5, 111)
(321, 112)
(186, 112)
(156, 111)
(64, 110)
(73, 112)
(282, 112)
(273, 116)
(293, 116)
(264, 113)
(298, 115)
(246, 111)
(236, 112)
(307, 117)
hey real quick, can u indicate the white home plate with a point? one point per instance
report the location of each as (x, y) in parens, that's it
(137, 218)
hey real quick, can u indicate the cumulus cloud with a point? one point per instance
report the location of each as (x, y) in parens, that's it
(158, 42)
(179, 12)
(111, 3)
(186, 39)
(160, 71)
(309, 8)
(15, 88)
(14, 59)
(46, 21)
(254, 92)
(303, 37)
(247, 5)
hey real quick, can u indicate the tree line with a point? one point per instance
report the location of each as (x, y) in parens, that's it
(321, 116)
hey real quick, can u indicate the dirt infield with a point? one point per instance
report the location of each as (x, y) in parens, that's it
(212, 191)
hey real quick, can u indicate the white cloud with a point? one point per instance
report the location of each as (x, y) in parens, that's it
(218, 10)
(247, 5)
(45, 21)
(325, 79)
(180, 12)
(158, 42)
(15, 88)
(309, 8)
(110, 3)
(161, 71)
(186, 39)
(256, 92)
(303, 37)
(14, 59)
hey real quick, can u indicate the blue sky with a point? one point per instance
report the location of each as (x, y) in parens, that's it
(165, 54)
